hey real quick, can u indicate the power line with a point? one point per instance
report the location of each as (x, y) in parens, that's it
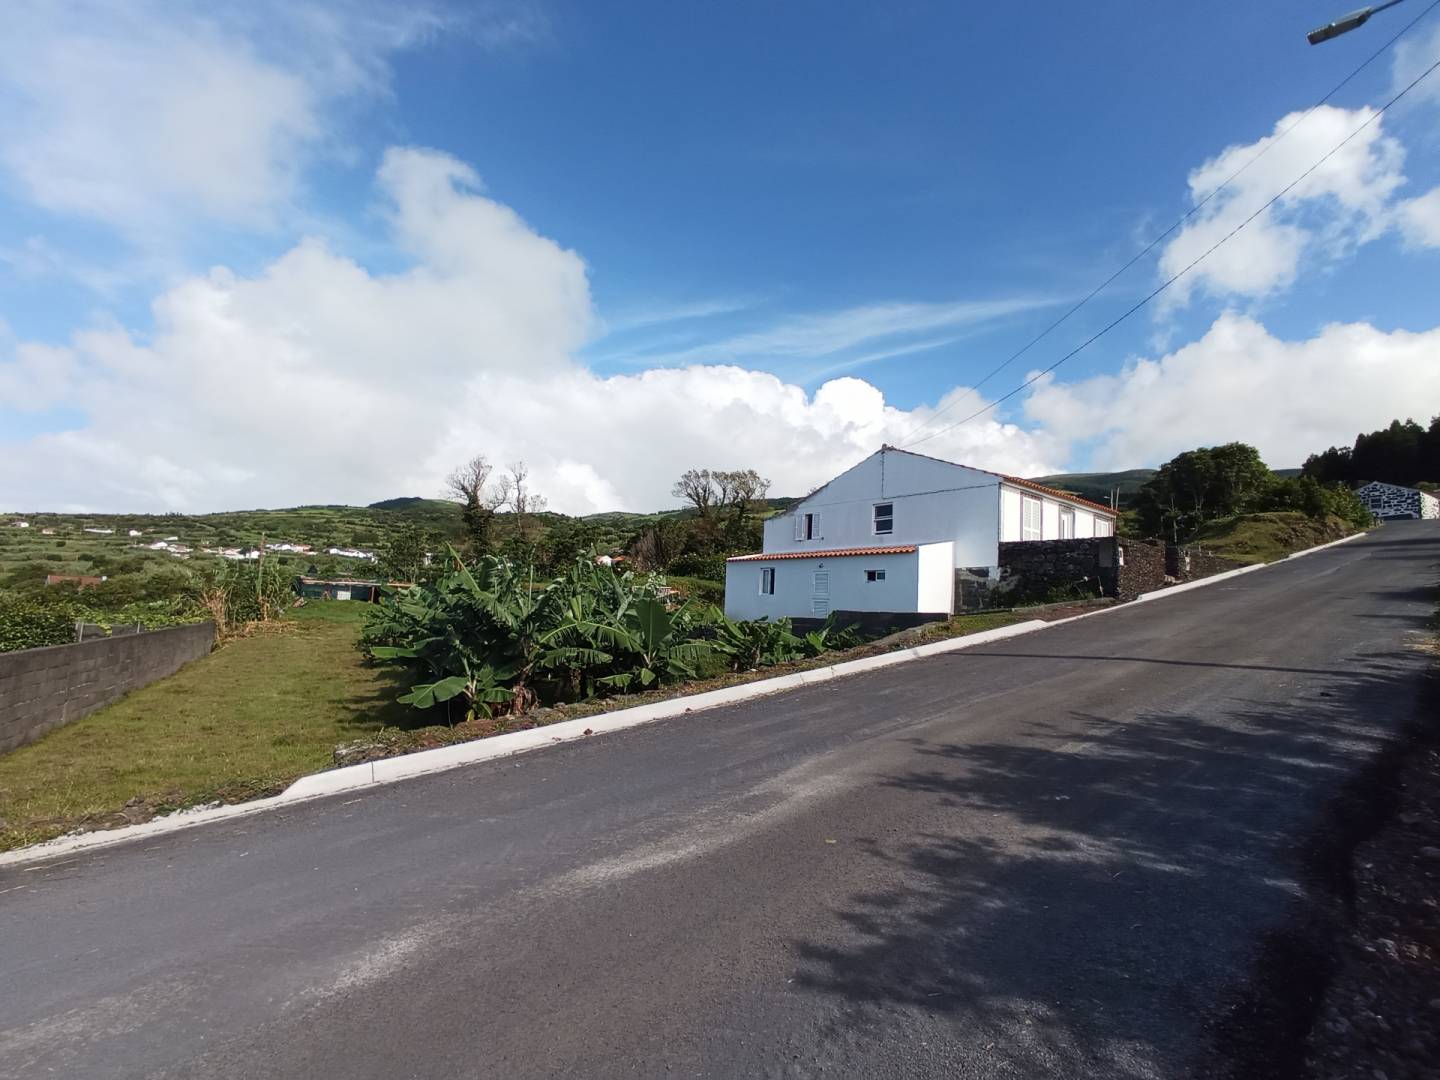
(1153, 244)
(1196, 262)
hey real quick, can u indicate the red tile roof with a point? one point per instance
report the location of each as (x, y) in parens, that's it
(1020, 481)
(833, 553)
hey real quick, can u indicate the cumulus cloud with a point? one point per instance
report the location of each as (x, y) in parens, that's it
(1419, 219)
(143, 114)
(1240, 382)
(1344, 202)
(319, 380)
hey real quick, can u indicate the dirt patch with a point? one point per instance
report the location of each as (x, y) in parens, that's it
(1380, 1016)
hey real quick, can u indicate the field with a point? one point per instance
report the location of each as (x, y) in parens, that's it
(240, 723)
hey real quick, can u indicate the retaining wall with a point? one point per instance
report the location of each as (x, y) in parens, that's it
(42, 689)
(1193, 563)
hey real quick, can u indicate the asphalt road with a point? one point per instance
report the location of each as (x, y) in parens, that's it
(1049, 857)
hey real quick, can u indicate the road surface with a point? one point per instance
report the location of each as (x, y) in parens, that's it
(1053, 856)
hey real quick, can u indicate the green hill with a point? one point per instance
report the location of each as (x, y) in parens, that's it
(1096, 486)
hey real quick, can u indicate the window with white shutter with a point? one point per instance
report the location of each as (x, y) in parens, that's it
(1031, 527)
(807, 526)
(1067, 523)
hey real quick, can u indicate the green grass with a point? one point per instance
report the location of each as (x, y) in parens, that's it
(242, 722)
(1259, 538)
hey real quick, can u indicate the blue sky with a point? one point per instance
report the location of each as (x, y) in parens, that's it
(895, 197)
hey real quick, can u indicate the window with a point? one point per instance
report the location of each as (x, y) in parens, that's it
(1067, 523)
(1030, 527)
(1103, 527)
(874, 575)
(884, 518)
(767, 581)
(807, 526)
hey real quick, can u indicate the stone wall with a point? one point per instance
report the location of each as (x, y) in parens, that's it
(1193, 563)
(42, 689)
(1141, 568)
(1034, 571)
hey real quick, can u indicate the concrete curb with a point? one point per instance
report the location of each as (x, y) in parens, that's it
(425, 762)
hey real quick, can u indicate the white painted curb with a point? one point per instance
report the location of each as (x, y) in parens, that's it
(423, 762)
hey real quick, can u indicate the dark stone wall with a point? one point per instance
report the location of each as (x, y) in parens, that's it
(1141, 569)
(42, 689)
(1192, 563)
(1035, 570)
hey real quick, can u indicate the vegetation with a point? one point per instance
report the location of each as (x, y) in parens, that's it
(240, 723)
(1403, 453)
(1214, 483)
(1265, 537)
(494, 637)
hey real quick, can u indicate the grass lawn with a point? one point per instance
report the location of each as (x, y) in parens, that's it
(1257, 538)
(242, 722)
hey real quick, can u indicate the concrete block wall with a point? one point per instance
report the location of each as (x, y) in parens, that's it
(42, 689)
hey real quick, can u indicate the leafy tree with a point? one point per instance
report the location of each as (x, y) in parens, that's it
(1199, 485)
(1402, 453)
(405, 557)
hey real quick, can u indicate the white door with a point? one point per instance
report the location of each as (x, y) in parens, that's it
(820, 593)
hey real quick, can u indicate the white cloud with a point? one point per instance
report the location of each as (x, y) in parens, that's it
(1413, 56)
(831, 333)
(144, 115)
(1239, 382)
(1419, 219)
(317, 380)
(1345, 202)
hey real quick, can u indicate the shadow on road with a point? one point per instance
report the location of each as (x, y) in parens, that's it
(1097, 895)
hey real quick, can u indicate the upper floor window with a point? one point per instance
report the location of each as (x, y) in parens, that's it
(807, 526)
(884, 518)
(1031, 527)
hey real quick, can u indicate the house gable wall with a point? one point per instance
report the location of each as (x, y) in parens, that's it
(935, 502)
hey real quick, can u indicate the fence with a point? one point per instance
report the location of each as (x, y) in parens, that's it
(42, 689)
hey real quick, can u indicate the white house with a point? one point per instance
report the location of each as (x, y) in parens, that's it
(889, 534)
(1394, 501)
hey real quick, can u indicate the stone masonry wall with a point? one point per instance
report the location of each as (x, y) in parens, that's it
(1037, 570)
(1141, 569)
(42, 689)
(1192, 564)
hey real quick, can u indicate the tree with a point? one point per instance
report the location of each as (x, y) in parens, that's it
(739, 491)
(523, 502)
(698, 487)
(1199, 485)
(479, 501)
(406, 556)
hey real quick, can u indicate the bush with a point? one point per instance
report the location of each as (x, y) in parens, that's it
(25, 624)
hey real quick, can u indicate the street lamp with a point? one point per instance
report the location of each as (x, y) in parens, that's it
(1346, 23)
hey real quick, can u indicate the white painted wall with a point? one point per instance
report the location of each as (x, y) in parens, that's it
(934, 502)
(848, 589)
(935, 587)
(1009, 516)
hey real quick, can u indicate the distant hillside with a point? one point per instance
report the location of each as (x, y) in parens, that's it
(1096, 486)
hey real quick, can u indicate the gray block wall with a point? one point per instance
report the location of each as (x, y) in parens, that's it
(42, 689)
